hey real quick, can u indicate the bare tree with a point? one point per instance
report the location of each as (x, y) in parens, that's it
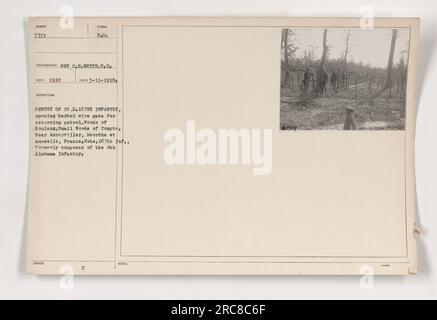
(347, 47)
(325, 49)
(309, 55)
(286, 53)
(346, 54)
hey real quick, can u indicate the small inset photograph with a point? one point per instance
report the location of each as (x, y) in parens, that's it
(343, 79)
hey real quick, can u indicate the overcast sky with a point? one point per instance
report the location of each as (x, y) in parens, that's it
(368, 46)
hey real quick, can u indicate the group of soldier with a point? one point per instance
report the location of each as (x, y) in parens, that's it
(338, 80)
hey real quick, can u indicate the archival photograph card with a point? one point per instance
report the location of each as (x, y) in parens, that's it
(222, 146)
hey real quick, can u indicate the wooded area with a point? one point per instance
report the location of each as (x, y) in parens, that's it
(319, 92)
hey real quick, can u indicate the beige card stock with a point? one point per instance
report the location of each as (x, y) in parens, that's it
(246, 146)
